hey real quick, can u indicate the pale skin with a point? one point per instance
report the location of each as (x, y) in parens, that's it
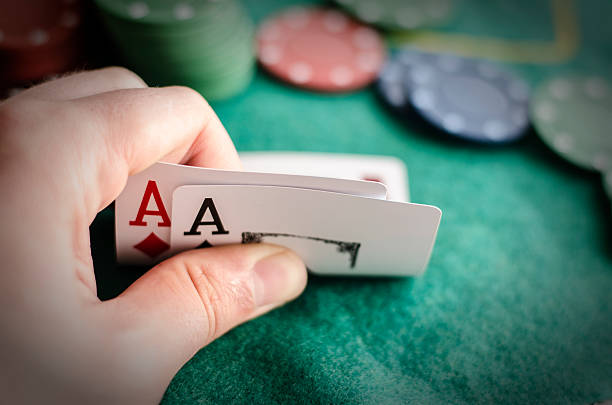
(67, 148)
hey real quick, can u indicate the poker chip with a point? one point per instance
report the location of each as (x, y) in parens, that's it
(320, 49)
(400, 14)
(390, 84)
(206, 45)
(468, 98)
(38, 38)
(572, 115)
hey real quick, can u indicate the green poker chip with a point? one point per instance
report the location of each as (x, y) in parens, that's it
(400, 14)
(204, 44)
(157, 12)
(572, 115)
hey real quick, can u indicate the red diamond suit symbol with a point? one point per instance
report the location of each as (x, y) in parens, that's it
(152, 245)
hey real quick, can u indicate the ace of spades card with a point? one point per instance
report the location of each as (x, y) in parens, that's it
(335, 234)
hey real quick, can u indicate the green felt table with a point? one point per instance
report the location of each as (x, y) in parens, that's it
(515, 307)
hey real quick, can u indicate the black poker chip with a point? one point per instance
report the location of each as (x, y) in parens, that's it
(390, 84)
(468, 98)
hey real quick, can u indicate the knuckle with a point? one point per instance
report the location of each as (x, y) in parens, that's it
(123, 77)
(208, 297)
(191, 96)
(225, 301)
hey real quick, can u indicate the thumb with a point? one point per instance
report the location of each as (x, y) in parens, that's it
(191, 299)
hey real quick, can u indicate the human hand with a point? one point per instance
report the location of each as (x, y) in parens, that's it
(66, 150)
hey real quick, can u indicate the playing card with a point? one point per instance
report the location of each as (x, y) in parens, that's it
(385, 169)
(334, 233)
(142, 211)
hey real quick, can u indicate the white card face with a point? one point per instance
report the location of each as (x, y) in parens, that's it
(335, 234)
(142, 211)
(385, 169)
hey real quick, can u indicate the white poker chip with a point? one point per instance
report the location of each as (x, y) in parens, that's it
(572, 114)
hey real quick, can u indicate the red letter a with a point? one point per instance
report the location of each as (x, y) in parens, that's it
(151, 190)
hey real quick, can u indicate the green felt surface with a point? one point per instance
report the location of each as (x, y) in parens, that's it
(516, 305)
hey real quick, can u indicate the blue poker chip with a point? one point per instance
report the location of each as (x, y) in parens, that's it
(468, 98)
(390, 84)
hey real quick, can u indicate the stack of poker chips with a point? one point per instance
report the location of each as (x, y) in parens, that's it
(38, 39)
(400, 14)
(572, 115)
(480, 101)
(206, 45)
(475, 100)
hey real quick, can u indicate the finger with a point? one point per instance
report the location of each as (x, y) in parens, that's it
(175, 123)
(193, 298)
(85, 84)
(201, 153)
(142, 126)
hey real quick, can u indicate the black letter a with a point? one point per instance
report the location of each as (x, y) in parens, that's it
(208, 204)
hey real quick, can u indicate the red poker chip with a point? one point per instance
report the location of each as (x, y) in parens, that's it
(38, 38)
(29, 67)
(37, 23)
(320, 49)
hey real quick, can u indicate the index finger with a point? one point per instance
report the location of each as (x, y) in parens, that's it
(143, 126)
(86, 83)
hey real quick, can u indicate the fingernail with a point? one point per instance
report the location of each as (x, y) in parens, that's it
(278, 278)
